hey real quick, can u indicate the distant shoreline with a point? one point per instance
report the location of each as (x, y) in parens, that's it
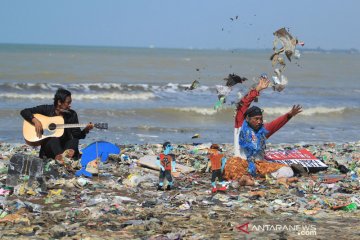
(317, 50)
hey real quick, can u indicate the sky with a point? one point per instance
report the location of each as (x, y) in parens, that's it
(198, 24)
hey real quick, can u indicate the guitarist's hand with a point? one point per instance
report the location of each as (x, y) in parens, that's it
(38, 127)
(89, 127)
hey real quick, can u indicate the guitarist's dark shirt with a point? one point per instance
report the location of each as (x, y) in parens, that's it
(49, 110)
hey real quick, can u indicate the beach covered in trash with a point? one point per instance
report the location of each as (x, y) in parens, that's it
(122, 201)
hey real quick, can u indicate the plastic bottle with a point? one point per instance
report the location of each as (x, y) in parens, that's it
(297, 54)
(349, 208)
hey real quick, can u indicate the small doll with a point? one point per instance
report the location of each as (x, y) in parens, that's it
(216, 161)
(166, 162)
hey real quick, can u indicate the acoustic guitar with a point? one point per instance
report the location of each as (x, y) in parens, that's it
(52, 127)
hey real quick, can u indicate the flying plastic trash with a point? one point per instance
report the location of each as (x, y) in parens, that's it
(297, 54)
(194, 85)
(288, 43)
(224, 91)
(234, 79)
(278, 81)
(195, 136)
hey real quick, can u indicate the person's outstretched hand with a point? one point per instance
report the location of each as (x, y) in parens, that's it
(295, 110)
(263, 84)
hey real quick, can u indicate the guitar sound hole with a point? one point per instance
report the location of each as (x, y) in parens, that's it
(52, 126)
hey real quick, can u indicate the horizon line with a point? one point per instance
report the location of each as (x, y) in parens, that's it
(175, 48)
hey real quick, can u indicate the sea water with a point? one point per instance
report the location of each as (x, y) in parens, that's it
(141, 92)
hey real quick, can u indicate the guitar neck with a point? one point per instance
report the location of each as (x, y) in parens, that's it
(70, 125)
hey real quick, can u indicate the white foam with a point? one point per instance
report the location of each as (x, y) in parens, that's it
(93, 96)
(202, 111)
(143, 85)
(87, 86)
(76, 86)
(27, 96)
(94, 87)
(171, 87)
(306, 111)
(146, 136)
(115, 96)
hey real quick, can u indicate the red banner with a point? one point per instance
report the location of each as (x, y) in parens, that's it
(301, 154)
(295, 156)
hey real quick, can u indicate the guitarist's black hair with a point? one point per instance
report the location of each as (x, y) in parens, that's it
(61, 95)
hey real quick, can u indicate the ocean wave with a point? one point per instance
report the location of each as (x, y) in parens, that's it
(198, 110)
(268, 110)
(146, 136)
(162, 113)
(90, 96)
(149, 128)
(308, 111)
(227, 111)
(98, 87)
(116, 96)
(26, 96)
(160, 90)
(78, 87)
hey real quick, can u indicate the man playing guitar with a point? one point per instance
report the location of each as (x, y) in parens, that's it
(67, 144)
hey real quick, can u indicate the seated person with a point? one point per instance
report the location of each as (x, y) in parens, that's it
(250, 137)
(68, 144)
